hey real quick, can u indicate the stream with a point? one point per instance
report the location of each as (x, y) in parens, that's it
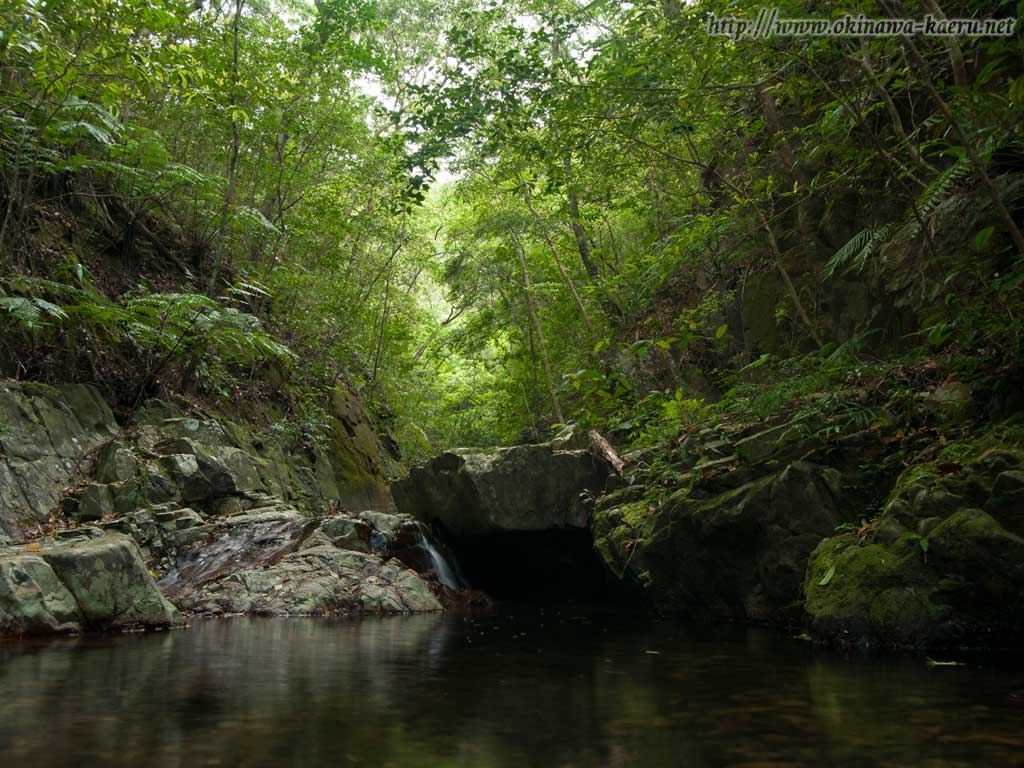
(556, 686)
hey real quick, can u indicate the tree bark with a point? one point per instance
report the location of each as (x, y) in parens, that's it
(603, 449)
(229, 193)
(535, 319)
(566, 277)
(582, 243)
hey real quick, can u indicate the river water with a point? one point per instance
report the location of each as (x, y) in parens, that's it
(558, 687)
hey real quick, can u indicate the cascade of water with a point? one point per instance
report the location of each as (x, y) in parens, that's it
(447, 573)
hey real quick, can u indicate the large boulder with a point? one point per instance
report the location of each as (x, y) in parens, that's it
(45, 432)
(943, 564)
(737, 552)
(87, 584)
(520, 488)
(32, 599)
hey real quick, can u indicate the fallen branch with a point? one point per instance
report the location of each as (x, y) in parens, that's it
(603, 450)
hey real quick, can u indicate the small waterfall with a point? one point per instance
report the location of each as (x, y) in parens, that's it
(447, 572)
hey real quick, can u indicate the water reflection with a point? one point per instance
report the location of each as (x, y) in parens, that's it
(535, 689)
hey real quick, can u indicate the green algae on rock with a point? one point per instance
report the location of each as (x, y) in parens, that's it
(942, 566)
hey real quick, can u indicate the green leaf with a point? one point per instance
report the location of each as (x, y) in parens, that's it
(828, 576)
(982, 237)
(722, 330)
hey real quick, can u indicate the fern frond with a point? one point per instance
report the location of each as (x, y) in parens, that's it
(936, 193)
(858, 250)
(31, 313)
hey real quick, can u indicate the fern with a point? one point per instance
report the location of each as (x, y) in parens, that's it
(936, 193)
(185, 326)
(860, 248)
(31, 313)
(189, 323)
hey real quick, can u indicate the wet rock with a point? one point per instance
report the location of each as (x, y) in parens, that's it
(115, 463)
(347, 533)
(741, 553)
(111, 584)
(95, 502)
(1006, 503)
(945, 567)
(272, 559)
(320, 581)
(32, 599)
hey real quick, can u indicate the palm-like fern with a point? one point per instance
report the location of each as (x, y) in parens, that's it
(860, 248)
(866, 243)
(935, 194)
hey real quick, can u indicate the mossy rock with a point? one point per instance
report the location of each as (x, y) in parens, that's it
(873, 594)
(945, 566)
(741, 553)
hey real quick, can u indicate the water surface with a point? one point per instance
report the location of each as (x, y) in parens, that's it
(529, 688)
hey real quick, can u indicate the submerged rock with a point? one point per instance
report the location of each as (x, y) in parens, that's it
(90, 583)
(519, 488)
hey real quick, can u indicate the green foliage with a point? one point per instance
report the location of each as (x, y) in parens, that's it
(617, 180)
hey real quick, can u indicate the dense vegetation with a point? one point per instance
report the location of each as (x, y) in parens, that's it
(491, 218)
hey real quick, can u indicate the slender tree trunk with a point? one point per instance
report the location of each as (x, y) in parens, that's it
(582, 243)
(229, 193)
(956, 54)
(890, 106)
(535, 319)
(566, 277)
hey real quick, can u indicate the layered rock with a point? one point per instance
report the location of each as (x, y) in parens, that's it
(91, 583)
(271, 559)
(737, 552)
(45, 433)
(519, 488)
(231, 520)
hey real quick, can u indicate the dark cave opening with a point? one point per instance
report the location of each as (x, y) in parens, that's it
(549, 566)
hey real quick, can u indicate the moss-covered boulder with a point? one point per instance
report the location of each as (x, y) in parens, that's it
(32, 599)
(740, 552)
(86, 584)
(942, 566)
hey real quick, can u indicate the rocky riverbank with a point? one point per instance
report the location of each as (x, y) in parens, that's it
(902, 531)
(109, 527)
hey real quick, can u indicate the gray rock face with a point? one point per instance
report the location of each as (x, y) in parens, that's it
(95, 584)
(520, 488)
(44, 434)
(321, 580)
(205, 503)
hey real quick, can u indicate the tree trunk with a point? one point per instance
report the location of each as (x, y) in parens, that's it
(582, 243)
(535, 319)
(229, 193)
(566, 277)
